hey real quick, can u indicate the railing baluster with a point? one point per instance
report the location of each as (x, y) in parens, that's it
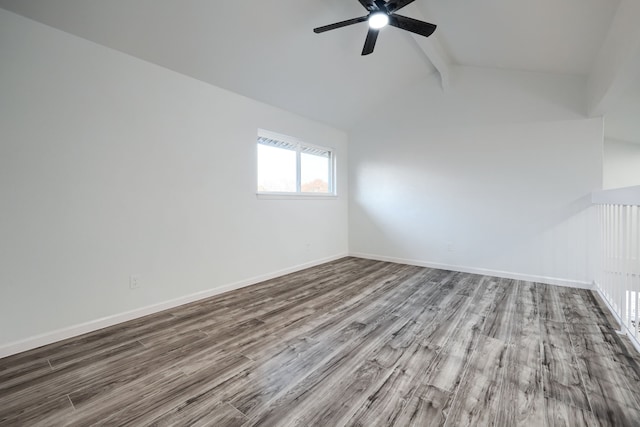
(609, 227)
(624, 270)
(618, 275)
(616, 256)
(609, 238)
(620, 265)
(605, 261)
(612, 254)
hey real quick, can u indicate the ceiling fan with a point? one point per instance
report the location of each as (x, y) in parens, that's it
(381, 13)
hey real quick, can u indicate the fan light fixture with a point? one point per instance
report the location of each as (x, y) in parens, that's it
(378, 20)
(380, 14)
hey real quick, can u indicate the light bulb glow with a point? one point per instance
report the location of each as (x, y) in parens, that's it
(378, 20)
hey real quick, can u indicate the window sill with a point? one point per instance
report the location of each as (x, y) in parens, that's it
(292, 196)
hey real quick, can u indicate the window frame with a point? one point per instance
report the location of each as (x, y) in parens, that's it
(299, 144)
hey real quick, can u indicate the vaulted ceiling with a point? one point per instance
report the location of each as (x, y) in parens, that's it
(543, 35)
(266, 50)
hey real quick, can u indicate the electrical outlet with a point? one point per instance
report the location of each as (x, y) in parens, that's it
(134, 282)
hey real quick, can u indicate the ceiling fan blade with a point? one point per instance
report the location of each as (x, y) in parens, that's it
(394, 5)
(370, 42)
(340, 24)
(413, 25)
(370, 5)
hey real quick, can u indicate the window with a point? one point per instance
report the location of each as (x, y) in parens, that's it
(289, 166)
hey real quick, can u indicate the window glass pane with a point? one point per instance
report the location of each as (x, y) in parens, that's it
(276, 169)
(315, 172)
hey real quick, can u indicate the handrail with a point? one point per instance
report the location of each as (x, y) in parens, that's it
(627, 196)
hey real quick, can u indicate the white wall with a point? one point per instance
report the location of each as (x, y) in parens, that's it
(111, 166)
(621, 164)
(493, 175)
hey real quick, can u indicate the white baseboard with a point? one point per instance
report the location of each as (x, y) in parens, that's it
(93, 325)
(483, 271)
(615, 314)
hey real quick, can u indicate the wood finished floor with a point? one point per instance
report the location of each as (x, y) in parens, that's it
(352, 342)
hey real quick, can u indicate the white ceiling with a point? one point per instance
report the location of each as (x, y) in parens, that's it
(561, 36)
(266, 49)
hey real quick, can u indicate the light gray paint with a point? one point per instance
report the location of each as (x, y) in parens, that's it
(621, 164)
(111, 167)
(503, 185)
(622, 123)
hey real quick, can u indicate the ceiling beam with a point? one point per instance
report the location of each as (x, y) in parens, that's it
(432, 48)
(618, 62)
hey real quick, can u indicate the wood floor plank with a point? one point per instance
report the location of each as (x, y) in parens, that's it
(561, 414)
(58, 383)
(549, 303)
(353, 388)
(294, 364)
(47, 411)
(599, 309)
(399, 346)
(387, 402)
(522, 397)
(351, 342)
(604, 378)
(501, 318)
(410, 360)
(478, 398)
(450, 363)
(610, 411)
(23, 373)
(294, 401)
(429, 406)
(100, 382)
(448, 367)
(203, 413)
(525, 332)
(437, 331)
(157, 393)
(561, 376)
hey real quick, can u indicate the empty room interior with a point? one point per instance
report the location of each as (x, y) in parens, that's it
(319, 213)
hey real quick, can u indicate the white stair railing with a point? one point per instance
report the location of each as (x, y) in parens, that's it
(618, 276)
